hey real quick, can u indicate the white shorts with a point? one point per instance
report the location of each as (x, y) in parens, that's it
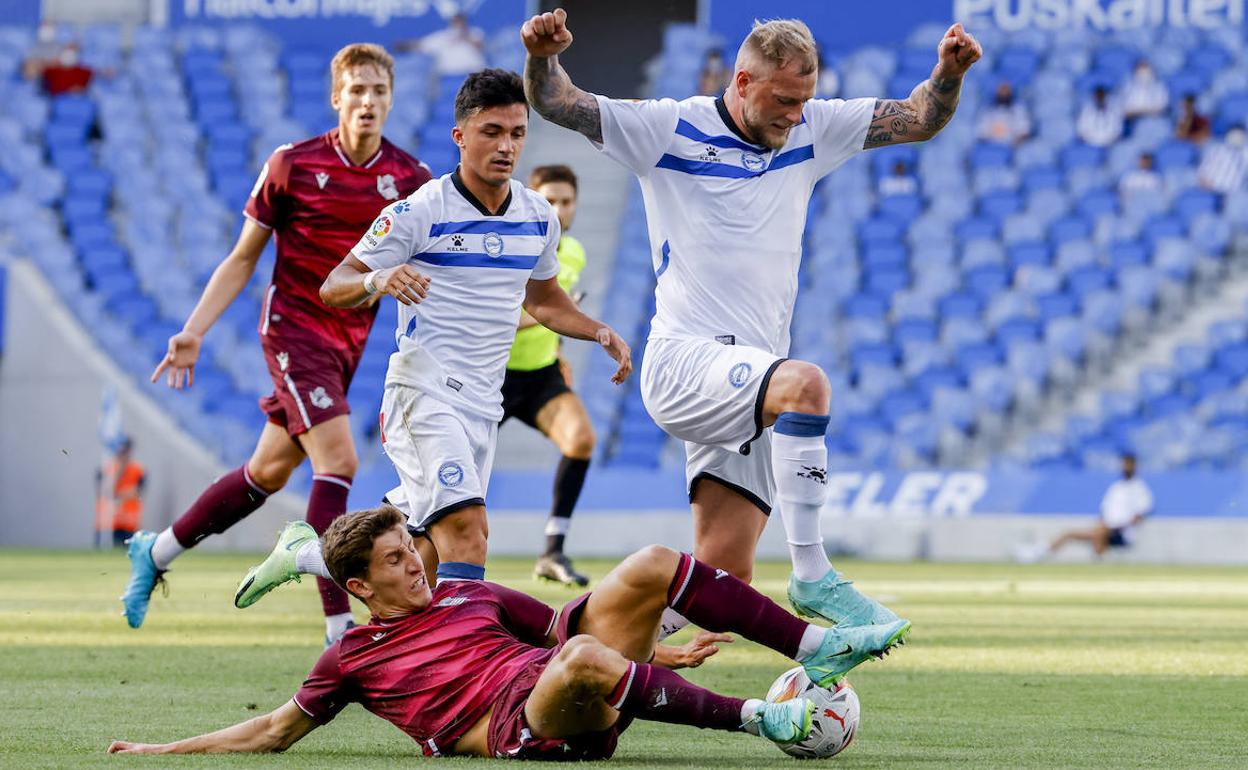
(710, 395)
(443, 456)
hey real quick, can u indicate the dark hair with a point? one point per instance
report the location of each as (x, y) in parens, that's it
(347, 546)
(488, 88)
(554, 173)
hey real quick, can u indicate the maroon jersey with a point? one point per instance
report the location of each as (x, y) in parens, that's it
(319, 203)
(433, 674)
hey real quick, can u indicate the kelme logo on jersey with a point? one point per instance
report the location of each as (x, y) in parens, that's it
(739, 374)
(493, 243)
(752, 161)
(709, 155)
(450, 475)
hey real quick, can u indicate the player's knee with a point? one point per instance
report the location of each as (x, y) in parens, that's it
(579, 441)
(588, 663)
(340, 461)
(801, 387)
(462, 536)
(270, 474)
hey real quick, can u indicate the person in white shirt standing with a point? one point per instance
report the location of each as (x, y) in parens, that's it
(726, 183)
(1127, 501)
(1100, 121)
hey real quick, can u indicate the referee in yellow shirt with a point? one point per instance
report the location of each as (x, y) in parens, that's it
(537, 388)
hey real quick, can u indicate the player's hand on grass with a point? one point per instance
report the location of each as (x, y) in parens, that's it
(957, 51)
(618, 349)
(694, 653)
(404, 283)
(179, 363)
(546, 34)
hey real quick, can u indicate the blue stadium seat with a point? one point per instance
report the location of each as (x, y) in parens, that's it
(1175, 154)
(1029, 253)
(961, 306)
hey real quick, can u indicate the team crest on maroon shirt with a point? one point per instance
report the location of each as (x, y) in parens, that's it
(386, 186)
(320, 399)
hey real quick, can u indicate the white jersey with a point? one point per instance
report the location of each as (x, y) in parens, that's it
(1124, 500)
(454, 345)
(726, 216)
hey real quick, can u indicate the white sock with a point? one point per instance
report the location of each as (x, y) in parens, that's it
(336, 626)
(309, 561)
(671, 622)
(558, 525)
(811, 639)
(748, 710)
(799, 461)
(166, 549)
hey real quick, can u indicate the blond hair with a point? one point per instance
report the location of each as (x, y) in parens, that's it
(357, 55)
(778, 43)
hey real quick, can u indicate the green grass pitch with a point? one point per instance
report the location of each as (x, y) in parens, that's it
(1008, 666)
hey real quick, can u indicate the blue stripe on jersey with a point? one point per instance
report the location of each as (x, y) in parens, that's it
(470, 259)
(689, 131)
(411, 327)
(483, 226)
(700, 168)
(667, 253)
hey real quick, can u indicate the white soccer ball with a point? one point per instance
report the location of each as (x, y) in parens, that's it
(837, 713)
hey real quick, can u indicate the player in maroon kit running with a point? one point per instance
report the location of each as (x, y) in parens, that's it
(478, 669)
(317, 196)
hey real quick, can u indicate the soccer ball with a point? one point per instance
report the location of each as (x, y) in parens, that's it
(837, 713)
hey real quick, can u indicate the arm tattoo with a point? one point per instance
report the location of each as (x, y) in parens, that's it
(920, 117)
(555, 98)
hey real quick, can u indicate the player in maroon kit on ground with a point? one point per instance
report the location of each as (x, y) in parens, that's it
(317, 196)
(477, 669)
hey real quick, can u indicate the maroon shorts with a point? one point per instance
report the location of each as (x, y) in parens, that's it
(310, 381)
(510, 736)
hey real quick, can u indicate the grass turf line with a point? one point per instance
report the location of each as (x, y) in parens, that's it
(1008, 666)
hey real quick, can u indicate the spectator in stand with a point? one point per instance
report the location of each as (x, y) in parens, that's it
(1141, 179)
(1100, 121)
(457, 50)
(713, 80)
(1007, 120)
(1224, 163)
(900, 182)
(1192, 126)
(55, 65)
(1144, 94)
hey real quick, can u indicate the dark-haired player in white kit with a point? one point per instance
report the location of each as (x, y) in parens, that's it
(726, 182)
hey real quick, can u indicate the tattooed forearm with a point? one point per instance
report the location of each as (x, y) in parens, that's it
(920, 117)
(550, 91)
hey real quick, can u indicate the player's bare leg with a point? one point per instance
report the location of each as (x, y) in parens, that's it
(332, 451)
(620, 622)
(1097, 537)
(565, 422)
(796, 406)
(726, 529)
(460, 541)
(226, 502)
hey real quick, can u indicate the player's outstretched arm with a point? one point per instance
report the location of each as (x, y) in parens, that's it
(932, 103)
(276, 731)
(227, 281)
(551, 306)
(353, 283)
(546, 84)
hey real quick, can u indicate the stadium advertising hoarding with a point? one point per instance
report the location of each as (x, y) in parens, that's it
(941, 494)
(906, 494)
(334, 22)
(844, 26)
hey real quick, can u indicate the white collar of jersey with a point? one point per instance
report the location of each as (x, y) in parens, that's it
(347, 161)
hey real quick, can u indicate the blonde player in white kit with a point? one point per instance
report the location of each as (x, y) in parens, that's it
(726, 183)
